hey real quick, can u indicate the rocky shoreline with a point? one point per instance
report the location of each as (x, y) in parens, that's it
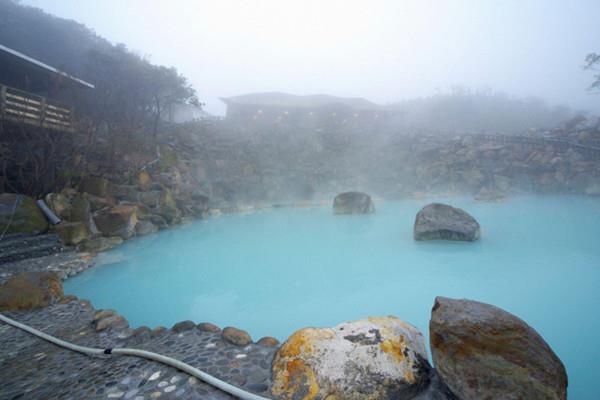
(377, 358)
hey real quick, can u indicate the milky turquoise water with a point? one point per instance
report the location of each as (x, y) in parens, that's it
(276, 271)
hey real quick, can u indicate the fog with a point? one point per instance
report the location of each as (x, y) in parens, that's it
(385, 51)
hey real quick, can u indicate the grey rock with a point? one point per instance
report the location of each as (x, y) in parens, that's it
(441, 221)
(353, 203)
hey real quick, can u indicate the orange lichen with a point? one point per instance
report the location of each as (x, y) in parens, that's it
(395, 347)
(295, 377)
(301, 342)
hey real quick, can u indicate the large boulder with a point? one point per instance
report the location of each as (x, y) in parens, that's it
(72, 233)
(168, 207)
(117, 221)
(59, 204)
(99, 244)
(143, 180)
(20, 214)
(81, 211)
(484, 352)
(490, 194)
(376, 358)
(441, 221)
(30, 290)
(143, 228)
(353, 203)
(96, 186)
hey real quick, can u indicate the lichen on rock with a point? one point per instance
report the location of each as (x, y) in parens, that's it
(376, 358)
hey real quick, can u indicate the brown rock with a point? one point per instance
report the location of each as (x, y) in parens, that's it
(117, 221)
(99, 244)
(113, 322)
(208, 327)
(143, 180)
(268, 341)
(183, 326)
(100, 314)
(81, 211)
(30, 290)
(59, 204)
(143, 228)
(96, 186)
(72, 233)
(67, 299)
(236, 336)
(484, 352)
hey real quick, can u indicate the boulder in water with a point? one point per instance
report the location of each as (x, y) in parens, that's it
(353, 203)
(376, 358)
(484, 352)
(441, 221)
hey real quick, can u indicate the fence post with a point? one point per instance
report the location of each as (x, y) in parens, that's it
(2, 100)
(43, 111)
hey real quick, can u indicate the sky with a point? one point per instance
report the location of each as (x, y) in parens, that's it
(383, 50)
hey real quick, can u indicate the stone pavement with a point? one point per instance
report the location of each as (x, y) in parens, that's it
(31, 368)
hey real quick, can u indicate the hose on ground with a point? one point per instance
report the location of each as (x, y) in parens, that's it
(211, 380)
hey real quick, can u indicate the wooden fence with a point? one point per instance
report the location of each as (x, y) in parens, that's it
(540, 142)
(20, 106)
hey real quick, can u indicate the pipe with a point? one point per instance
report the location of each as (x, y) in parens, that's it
(54, 220)
(211, 380)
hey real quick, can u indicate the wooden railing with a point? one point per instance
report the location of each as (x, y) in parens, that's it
(20, 106)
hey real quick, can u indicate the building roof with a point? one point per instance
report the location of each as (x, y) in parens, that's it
(8, 55)
(280, 99)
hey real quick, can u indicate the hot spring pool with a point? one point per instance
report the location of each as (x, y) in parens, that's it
(276, 271)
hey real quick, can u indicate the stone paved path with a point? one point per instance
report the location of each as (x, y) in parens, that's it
(31, 368)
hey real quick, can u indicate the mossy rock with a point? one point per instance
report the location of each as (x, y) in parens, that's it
(95, 185)
(30, 290)
(59, 204)
(143, 180)
(168, 207)
(27, 216)
(72, 233)
(168, 157)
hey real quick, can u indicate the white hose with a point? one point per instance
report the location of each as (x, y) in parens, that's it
(211, 380)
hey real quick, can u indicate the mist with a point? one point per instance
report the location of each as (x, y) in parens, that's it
(385, 51)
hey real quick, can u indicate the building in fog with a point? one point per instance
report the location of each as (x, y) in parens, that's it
(179, 113)
(311, 110)
(35, 93)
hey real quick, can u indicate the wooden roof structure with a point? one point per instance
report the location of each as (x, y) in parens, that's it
(25, 84)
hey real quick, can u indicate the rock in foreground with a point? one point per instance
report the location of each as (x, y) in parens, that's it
(30, 290)
(353, 203)
(484, 352)
(376, 358)
(441, 221)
